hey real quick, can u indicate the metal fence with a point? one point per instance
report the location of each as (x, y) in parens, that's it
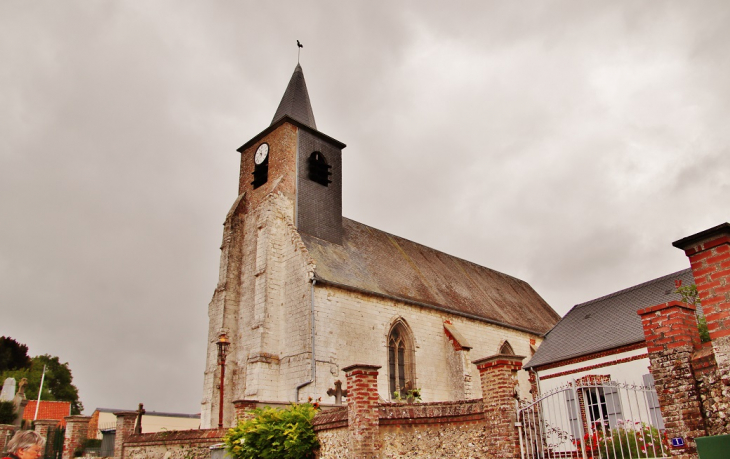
(587, 420)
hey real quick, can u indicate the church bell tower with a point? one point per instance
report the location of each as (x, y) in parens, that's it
(290, 182)
(292, 157)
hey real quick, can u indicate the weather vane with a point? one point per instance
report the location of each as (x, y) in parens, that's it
(299, 50)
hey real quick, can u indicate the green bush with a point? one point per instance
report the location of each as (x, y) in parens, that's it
(7, 413)
(275, 434)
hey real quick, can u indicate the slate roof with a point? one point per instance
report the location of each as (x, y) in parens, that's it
(48, 410)
(377, 262)
(295, 102)
(607, 322)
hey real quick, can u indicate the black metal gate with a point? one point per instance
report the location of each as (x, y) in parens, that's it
(54, 443)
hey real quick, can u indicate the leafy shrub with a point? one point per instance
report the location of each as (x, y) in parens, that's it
(275, 434)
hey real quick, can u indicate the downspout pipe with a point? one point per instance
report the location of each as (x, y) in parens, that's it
(314, 362)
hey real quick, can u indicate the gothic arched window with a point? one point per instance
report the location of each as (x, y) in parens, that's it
(319, 170)
(401, 359)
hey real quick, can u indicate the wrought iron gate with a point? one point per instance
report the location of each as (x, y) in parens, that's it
(592, 420)
(54, 443)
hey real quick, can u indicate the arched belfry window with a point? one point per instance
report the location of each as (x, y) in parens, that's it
(401, 359)
(319, 170)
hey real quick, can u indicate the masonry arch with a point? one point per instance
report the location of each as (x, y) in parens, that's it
(401, 358)
(506, 348)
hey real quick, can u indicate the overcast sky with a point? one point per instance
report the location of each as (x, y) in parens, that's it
(564, 143)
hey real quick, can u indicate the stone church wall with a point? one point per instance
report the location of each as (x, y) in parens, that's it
(352, 325)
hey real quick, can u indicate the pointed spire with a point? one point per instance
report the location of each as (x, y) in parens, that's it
(295, 102)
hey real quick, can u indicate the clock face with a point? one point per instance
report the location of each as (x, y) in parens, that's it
(261, 153)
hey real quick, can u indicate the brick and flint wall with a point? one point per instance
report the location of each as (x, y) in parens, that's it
(368, 428)
(709, 255)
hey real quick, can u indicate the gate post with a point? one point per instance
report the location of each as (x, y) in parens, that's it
(77, 428)
(125, 428)
(498, 375)
(671, 336)
(362, 409)
(709, 254)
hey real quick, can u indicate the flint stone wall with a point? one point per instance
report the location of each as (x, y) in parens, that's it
(425, 430)
(178, 444)
(714, 389)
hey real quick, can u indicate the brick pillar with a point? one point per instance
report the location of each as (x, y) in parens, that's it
(362, 410)
(6, 433)
(670, 330)
(77, 428)
(125, 428)
(43, 426)
(243, 409)
(498, 375)
(709, 256)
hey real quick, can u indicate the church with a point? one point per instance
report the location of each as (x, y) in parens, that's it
(303, 291)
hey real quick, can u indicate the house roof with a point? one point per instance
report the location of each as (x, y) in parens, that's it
(380, 263)
(608, 322)
(47, 410)
(152, 413)
(295, 102)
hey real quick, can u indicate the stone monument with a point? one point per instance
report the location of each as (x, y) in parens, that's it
(8, 392)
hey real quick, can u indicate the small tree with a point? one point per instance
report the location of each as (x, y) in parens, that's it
(275, 434)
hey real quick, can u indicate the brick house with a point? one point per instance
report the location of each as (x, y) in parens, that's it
(304, 292)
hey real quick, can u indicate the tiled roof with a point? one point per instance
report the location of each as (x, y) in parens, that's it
(374, 261)
(607, 322)
(48, 410)
(295, 102)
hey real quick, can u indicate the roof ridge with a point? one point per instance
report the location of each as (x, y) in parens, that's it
(626, 290)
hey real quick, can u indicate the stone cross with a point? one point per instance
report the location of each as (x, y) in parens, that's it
(338, 392)
(140, 412)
